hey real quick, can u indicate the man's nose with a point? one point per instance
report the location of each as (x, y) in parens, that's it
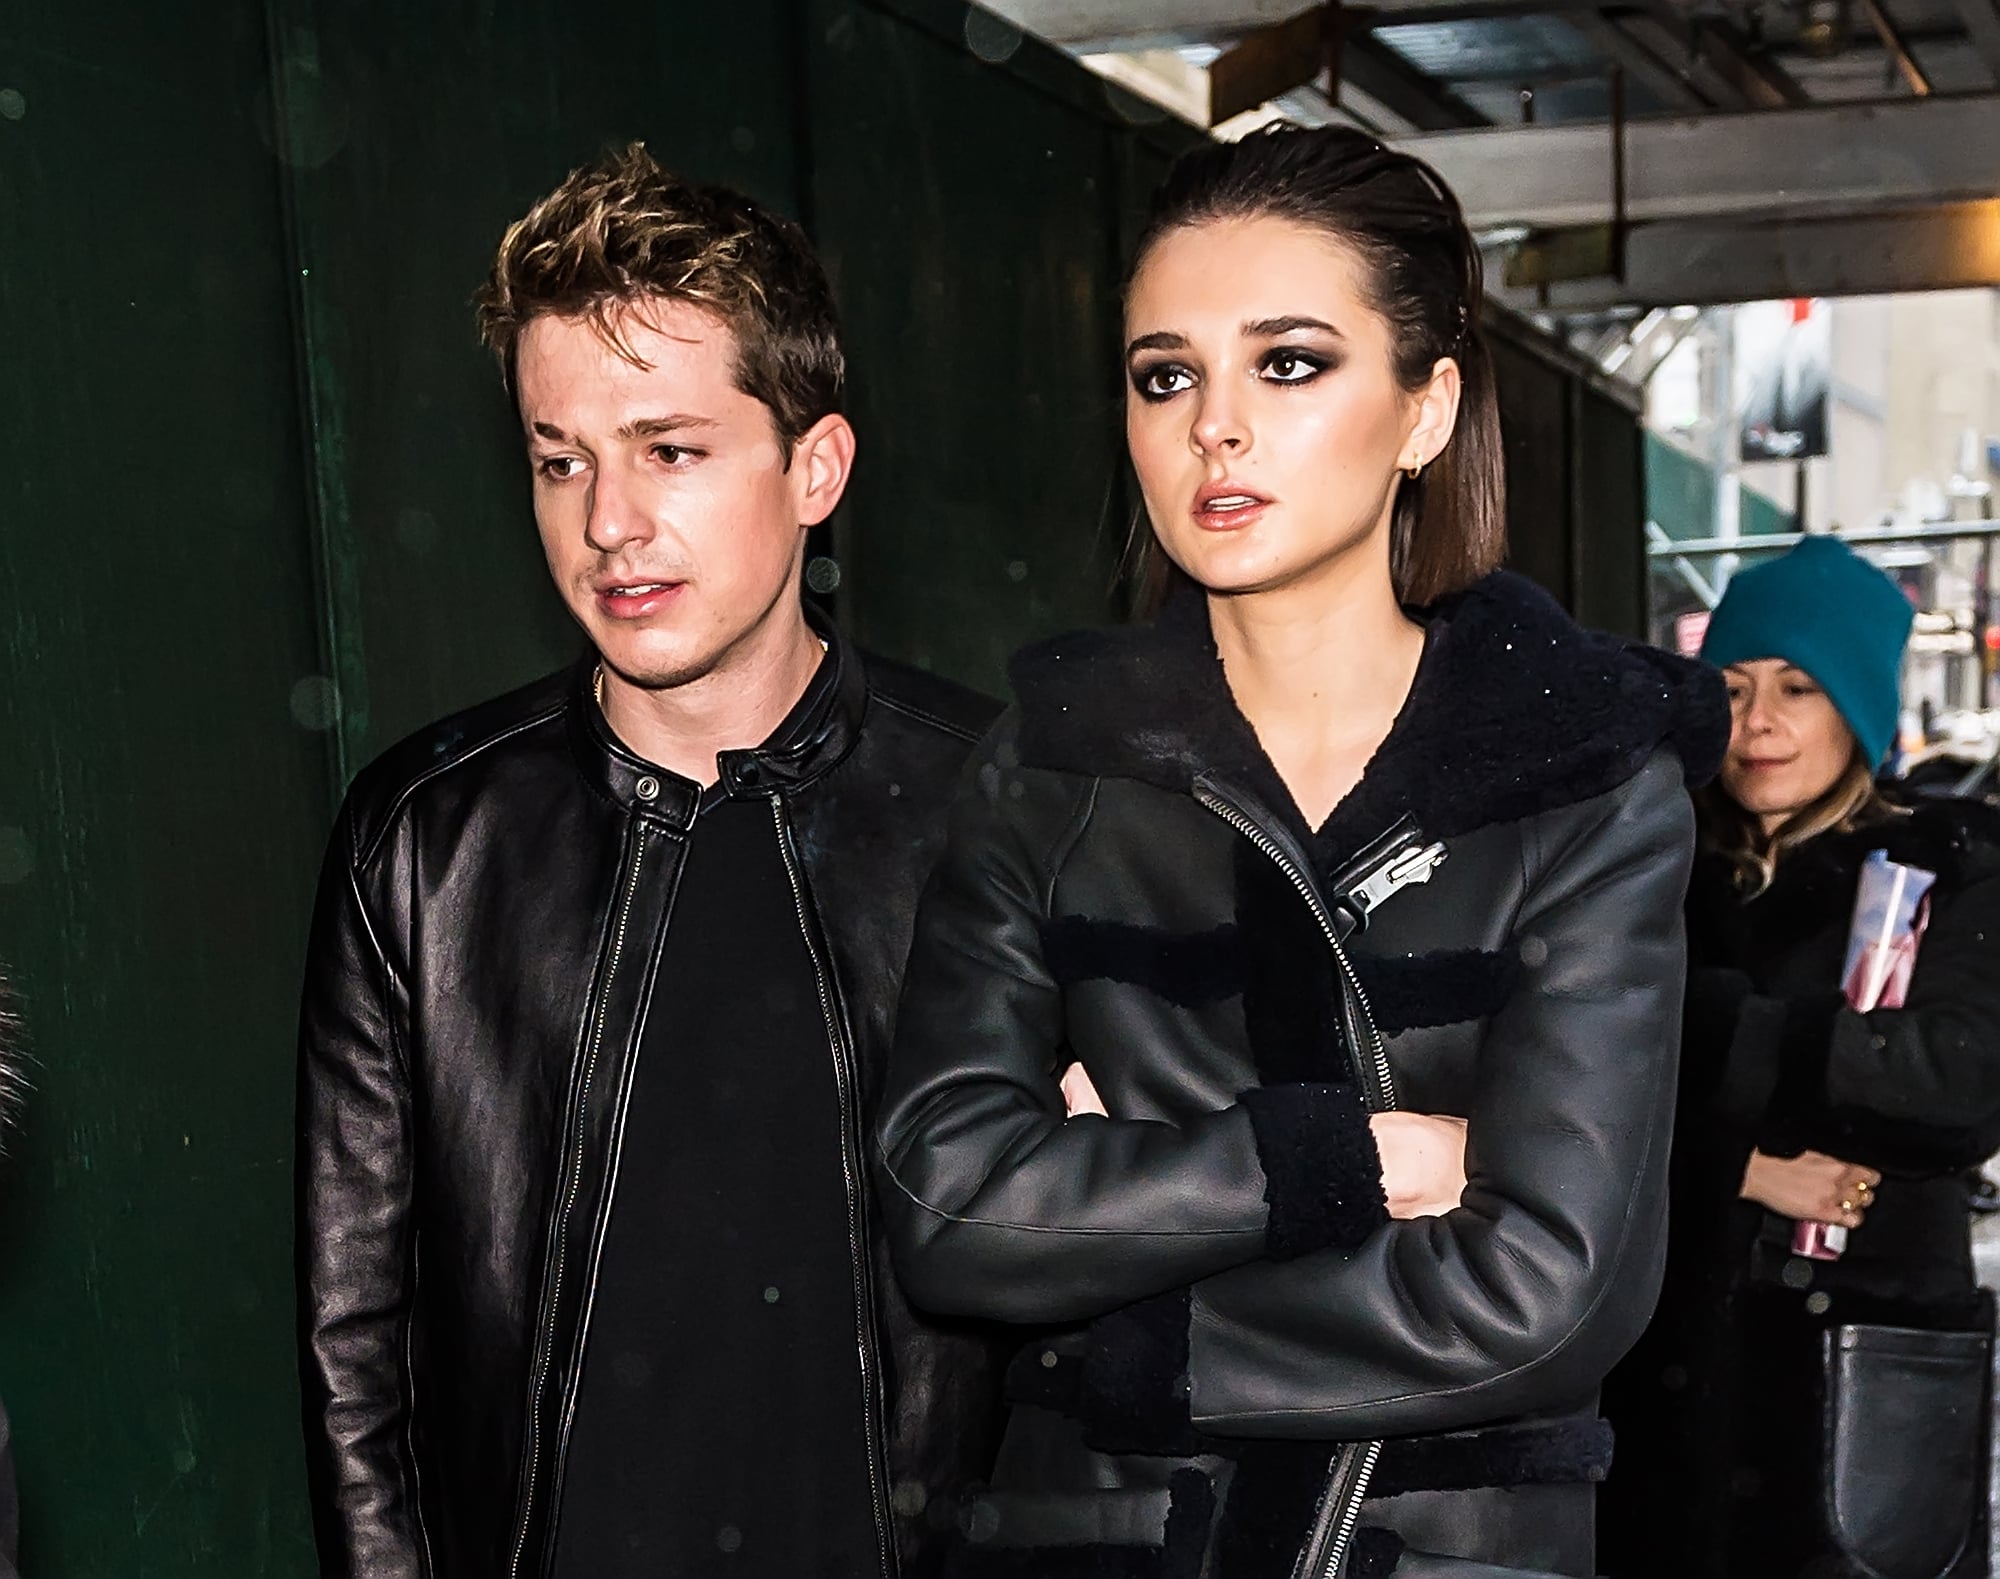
(615, 518)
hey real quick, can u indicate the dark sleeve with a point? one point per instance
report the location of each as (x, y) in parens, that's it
(1524, 1295)
(354, 1250)
(1736, 1046)
(1919, 1087)
(998, 1206)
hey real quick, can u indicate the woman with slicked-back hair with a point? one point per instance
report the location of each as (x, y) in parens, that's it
(1288, 1046)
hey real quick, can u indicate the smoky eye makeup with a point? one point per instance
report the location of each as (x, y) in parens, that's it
(1159, 379)
(1294, 364)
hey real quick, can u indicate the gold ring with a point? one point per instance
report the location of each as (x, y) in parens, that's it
(1864, 1189)
(1847, 1206)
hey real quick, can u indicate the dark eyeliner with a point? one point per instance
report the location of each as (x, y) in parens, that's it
(1315, 362)
(1142, 374)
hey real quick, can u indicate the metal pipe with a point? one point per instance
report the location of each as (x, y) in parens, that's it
(1701, 547)
(1898, 51)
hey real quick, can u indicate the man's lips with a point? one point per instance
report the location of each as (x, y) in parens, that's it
(634, 600)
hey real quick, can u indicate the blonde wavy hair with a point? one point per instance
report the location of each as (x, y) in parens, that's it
(1738, 836)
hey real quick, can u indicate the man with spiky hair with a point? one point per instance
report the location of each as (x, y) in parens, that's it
(602, 980)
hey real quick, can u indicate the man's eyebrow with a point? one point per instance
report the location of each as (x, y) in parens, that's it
(641, 428)
(1271, 328)
(676, 422)
(1158, 340)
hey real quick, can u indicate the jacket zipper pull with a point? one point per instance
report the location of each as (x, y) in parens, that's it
(1411, 864)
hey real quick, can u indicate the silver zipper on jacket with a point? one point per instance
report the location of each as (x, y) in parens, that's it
(850, 1124)
(1372, 1063)
(1338, 1510)
(543, 1338)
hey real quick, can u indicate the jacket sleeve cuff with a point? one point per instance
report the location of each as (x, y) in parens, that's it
(1132, 1392)
(1322, 1172)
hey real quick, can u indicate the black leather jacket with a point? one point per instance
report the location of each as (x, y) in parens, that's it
(1216, 1294)
(497, 890)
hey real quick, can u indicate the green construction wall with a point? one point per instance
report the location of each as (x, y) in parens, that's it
(262, 510)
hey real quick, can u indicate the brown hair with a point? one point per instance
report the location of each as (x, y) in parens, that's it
(624, 231)
(1852, 801)
(1424, 276)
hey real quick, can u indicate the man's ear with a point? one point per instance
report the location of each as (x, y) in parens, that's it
(822, 461)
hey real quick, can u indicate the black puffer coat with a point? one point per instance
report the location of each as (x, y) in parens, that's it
(1212, 1294)
(1717, 1409)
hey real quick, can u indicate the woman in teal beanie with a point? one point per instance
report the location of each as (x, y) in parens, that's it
(1797, 1109)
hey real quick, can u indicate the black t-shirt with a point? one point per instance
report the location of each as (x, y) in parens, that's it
(720, 1427)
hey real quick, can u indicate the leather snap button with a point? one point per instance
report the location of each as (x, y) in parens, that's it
(748, 774)
(648, 788)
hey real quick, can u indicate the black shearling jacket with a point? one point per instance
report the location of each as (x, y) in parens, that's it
(1213, 1299)
(496, 894)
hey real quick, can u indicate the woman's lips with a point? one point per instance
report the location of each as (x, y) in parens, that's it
(636, 600)
(1227, 512)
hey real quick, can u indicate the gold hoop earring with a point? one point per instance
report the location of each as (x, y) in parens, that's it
(1414, 470)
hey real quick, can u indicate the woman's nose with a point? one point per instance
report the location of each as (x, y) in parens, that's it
(1219, 429)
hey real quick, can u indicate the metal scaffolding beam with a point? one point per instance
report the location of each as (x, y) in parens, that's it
(1982, 25)
(1138, 24)
(1662, 547)
(1667, 84)
(1836, 159)
(1700, 263)
(1391, 81)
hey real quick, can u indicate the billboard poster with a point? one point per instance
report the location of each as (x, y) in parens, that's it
(1784, 365)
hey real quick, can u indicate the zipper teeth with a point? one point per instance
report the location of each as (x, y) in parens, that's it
(575, 1186)
(845, 1089)
(1344, 1536)
(1339, 1506)
(1317, 1537)
(1376, 1054)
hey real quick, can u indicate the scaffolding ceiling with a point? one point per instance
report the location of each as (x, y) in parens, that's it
(1795, 147)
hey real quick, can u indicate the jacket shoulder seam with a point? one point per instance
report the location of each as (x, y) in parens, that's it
(365, 849)
(896, 704)
(1065, 842)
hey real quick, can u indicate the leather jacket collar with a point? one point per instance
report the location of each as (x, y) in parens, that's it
(815, 736)
(1516, 711)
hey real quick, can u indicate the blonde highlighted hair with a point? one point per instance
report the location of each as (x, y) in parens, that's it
(1738, 836)
(624, 232)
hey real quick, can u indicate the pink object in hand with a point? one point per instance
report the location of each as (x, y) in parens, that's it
(1819, 1241)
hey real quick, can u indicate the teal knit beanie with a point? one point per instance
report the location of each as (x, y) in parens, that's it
(1824, 609)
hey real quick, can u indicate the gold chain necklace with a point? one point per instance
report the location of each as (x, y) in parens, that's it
(597, 675)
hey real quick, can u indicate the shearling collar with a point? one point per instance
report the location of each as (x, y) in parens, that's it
(1516, 710)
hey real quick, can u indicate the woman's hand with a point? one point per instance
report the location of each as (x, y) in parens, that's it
(1423, 1162)
(1811, 1187)
(1423, 1155)
(1079, 1095)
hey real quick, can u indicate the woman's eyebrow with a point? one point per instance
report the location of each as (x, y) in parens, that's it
(1158, 340)
(1271, 328)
